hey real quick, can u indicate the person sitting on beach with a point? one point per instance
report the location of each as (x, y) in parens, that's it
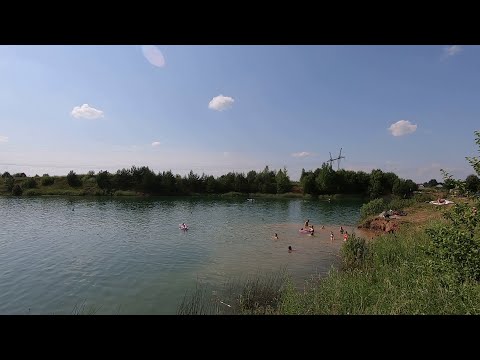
(275, 236)
(345, 236)
(341, 230)
(323, 226)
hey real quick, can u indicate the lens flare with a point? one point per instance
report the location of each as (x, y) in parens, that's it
(153, 54)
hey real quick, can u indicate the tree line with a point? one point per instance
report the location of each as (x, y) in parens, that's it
(323, 180)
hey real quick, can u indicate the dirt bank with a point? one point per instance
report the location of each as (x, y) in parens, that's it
(417, 215)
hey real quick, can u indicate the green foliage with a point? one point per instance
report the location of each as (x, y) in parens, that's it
(373, 207)
(475, 161)
(472, 183)
(283, 181)
(376, 187)
(400, 204)
(423, 197)
(103, 181)
(354, 252)
(432, 183)
(73, 180)
(455, 247)
(9, 182)
(47, 180)
(30, 183)
(6, 174)
(309, 185)
(17, 190)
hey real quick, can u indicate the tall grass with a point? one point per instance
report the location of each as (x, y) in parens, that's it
(257, 294)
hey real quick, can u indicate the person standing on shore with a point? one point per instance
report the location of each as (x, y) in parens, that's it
(332, 237)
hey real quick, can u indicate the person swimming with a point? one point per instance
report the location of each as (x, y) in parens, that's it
(290, 249)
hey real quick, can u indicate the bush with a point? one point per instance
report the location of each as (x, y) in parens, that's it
(9, 182)
(17, 190)
(73, 180)
(373, 207)
(455, 247)
(354, 252)
(400, 204)
(423, 197)
(29, 184)
(47, 181)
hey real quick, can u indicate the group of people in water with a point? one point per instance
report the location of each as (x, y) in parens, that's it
(311, 230)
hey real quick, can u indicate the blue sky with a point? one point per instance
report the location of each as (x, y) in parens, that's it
(215, 109)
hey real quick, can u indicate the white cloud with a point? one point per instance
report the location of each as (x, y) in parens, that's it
(156, 143)
(86, 112)
(220, 103)
(402, 127)
(3, 139)
(301, 154)
(452, 50)
(153, 55)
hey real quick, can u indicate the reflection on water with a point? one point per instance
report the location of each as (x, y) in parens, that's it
(128, 255)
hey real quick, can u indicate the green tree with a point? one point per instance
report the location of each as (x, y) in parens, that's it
(73, 180)
(283, 181)
(103, 181)
(326, 179)
(376, 186)
(472, 183)
(9, 182)
(17, 190)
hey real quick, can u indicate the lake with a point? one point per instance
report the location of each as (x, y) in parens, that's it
(128, 255)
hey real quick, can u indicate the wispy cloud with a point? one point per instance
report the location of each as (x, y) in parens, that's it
(153, 55)
(452, 50)
(86, 112)
(221, 103)
(156, 143)
(3, 139)
(301, 154)
(402, 127)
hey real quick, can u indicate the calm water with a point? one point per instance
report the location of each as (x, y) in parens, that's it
(128, 256)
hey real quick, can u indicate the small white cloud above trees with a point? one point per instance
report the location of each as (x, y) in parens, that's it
(402, 127)
(301, 154)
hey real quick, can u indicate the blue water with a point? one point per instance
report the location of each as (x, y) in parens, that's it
(128, 256)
